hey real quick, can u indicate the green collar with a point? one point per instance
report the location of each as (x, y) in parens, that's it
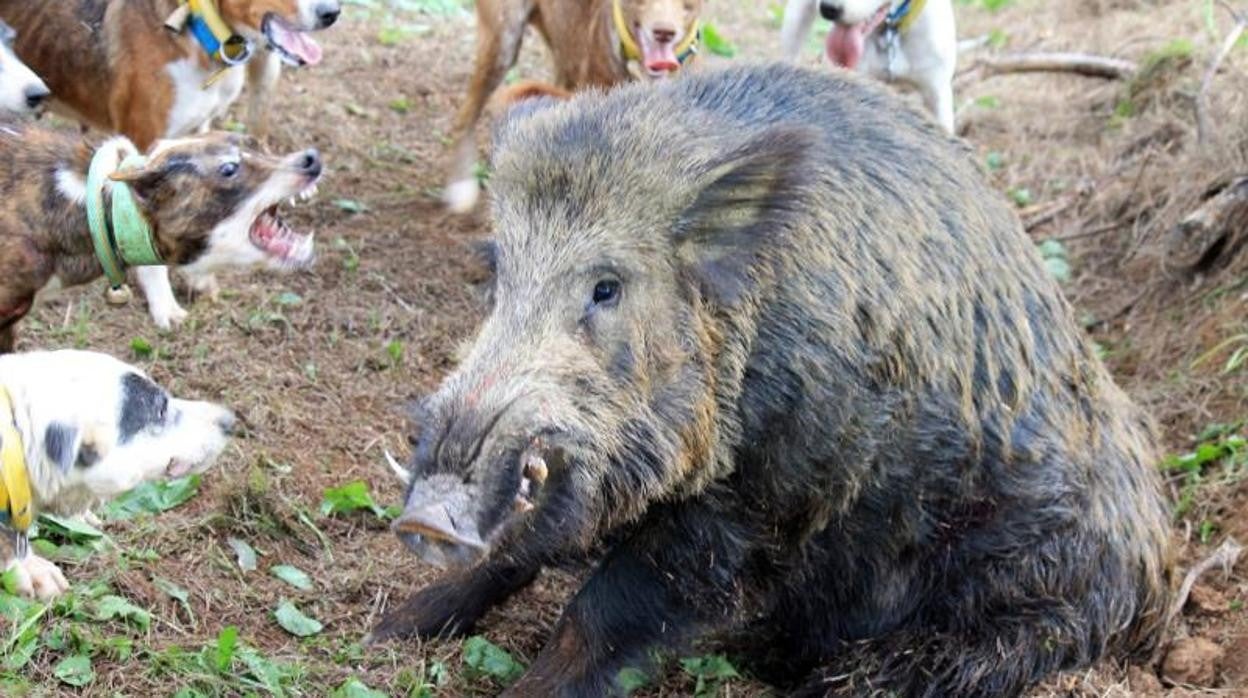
(128, 240)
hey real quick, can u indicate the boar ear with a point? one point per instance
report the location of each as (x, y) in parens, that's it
(753, 195)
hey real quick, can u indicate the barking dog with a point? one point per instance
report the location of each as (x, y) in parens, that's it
(592, 43)
(910, 41)
(78, 428)
(21, 91)
(205, 201)
(115, 66)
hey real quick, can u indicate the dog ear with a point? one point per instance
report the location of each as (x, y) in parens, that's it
(140, 179)
(752, 196)
(60, 444)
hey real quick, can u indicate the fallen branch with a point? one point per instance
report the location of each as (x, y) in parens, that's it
(1036, 216)
(1203, 129)
(1080, 63)
(1225, 557)
(1213, 234)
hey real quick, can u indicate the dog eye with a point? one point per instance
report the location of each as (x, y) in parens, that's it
(228, 169)
(606, 292)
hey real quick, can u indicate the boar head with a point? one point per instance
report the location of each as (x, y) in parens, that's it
(604, 378)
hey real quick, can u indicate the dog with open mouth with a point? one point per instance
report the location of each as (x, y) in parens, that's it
(914, 42)
(202, 203)
(151, 69)
(21, 91)
(78, 428)
(593, 43)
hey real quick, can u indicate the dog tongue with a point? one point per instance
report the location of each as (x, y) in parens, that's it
(845, 44)
(297, 43)
(659, 57)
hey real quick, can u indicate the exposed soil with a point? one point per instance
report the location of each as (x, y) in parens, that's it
(321, 378)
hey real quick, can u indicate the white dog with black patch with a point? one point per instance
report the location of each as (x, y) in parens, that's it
(21, 91)
(78, 428)
(909, 41)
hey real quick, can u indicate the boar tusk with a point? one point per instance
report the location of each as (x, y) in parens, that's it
(404, 475)
(535, 468)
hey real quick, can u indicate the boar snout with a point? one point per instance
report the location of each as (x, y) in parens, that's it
(439, 523)
(454, 519)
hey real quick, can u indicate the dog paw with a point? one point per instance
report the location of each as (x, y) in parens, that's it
(38, 578)
(461, 196)
(169, 318)
(205, 285)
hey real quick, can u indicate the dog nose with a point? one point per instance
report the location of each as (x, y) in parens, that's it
(227, 423)
(36, 94)
(831, 11)
(310, 162)
(663, 35)
(327, 14)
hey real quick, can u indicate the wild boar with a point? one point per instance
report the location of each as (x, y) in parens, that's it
(769, 340)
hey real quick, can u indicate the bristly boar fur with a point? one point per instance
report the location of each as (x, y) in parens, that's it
(770, 338)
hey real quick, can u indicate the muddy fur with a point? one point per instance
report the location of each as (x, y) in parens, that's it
(837, 413)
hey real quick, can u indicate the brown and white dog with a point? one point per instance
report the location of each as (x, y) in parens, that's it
(88, 428)
(210, 204)
(21, 91)
(113, 64)
(593, 43)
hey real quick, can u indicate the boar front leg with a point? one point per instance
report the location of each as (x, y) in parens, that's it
(452, 605)
(670, 583)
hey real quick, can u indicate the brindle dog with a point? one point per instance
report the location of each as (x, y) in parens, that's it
(210, 204)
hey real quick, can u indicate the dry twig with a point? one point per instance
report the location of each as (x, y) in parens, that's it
(1225, 557)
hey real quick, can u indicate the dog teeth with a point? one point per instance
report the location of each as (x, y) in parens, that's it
(523, 505)
(292, 202)
(526, 486)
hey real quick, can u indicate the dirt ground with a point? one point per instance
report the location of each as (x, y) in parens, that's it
(321, 364)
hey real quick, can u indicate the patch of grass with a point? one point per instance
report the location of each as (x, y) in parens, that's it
(153, 498)
(1053, 252)
(716, 42)
(710, 673)
(1221, 454)
(484, 658)
(352, 497)
(350, 260)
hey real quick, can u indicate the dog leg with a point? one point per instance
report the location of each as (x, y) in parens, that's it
(262, 74)
(161, 304)
(938, 96)
(799, 15)
(500, 27)
(204, 285)
(8, 337)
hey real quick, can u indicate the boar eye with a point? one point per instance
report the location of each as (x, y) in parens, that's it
(228, 169)
(606, 292)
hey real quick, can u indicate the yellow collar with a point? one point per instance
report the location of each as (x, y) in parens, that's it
(632, 52)
(905, 14)
(15, 494)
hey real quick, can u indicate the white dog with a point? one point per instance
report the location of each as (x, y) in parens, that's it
(78, 428)
(910, 41)
(21, 91)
